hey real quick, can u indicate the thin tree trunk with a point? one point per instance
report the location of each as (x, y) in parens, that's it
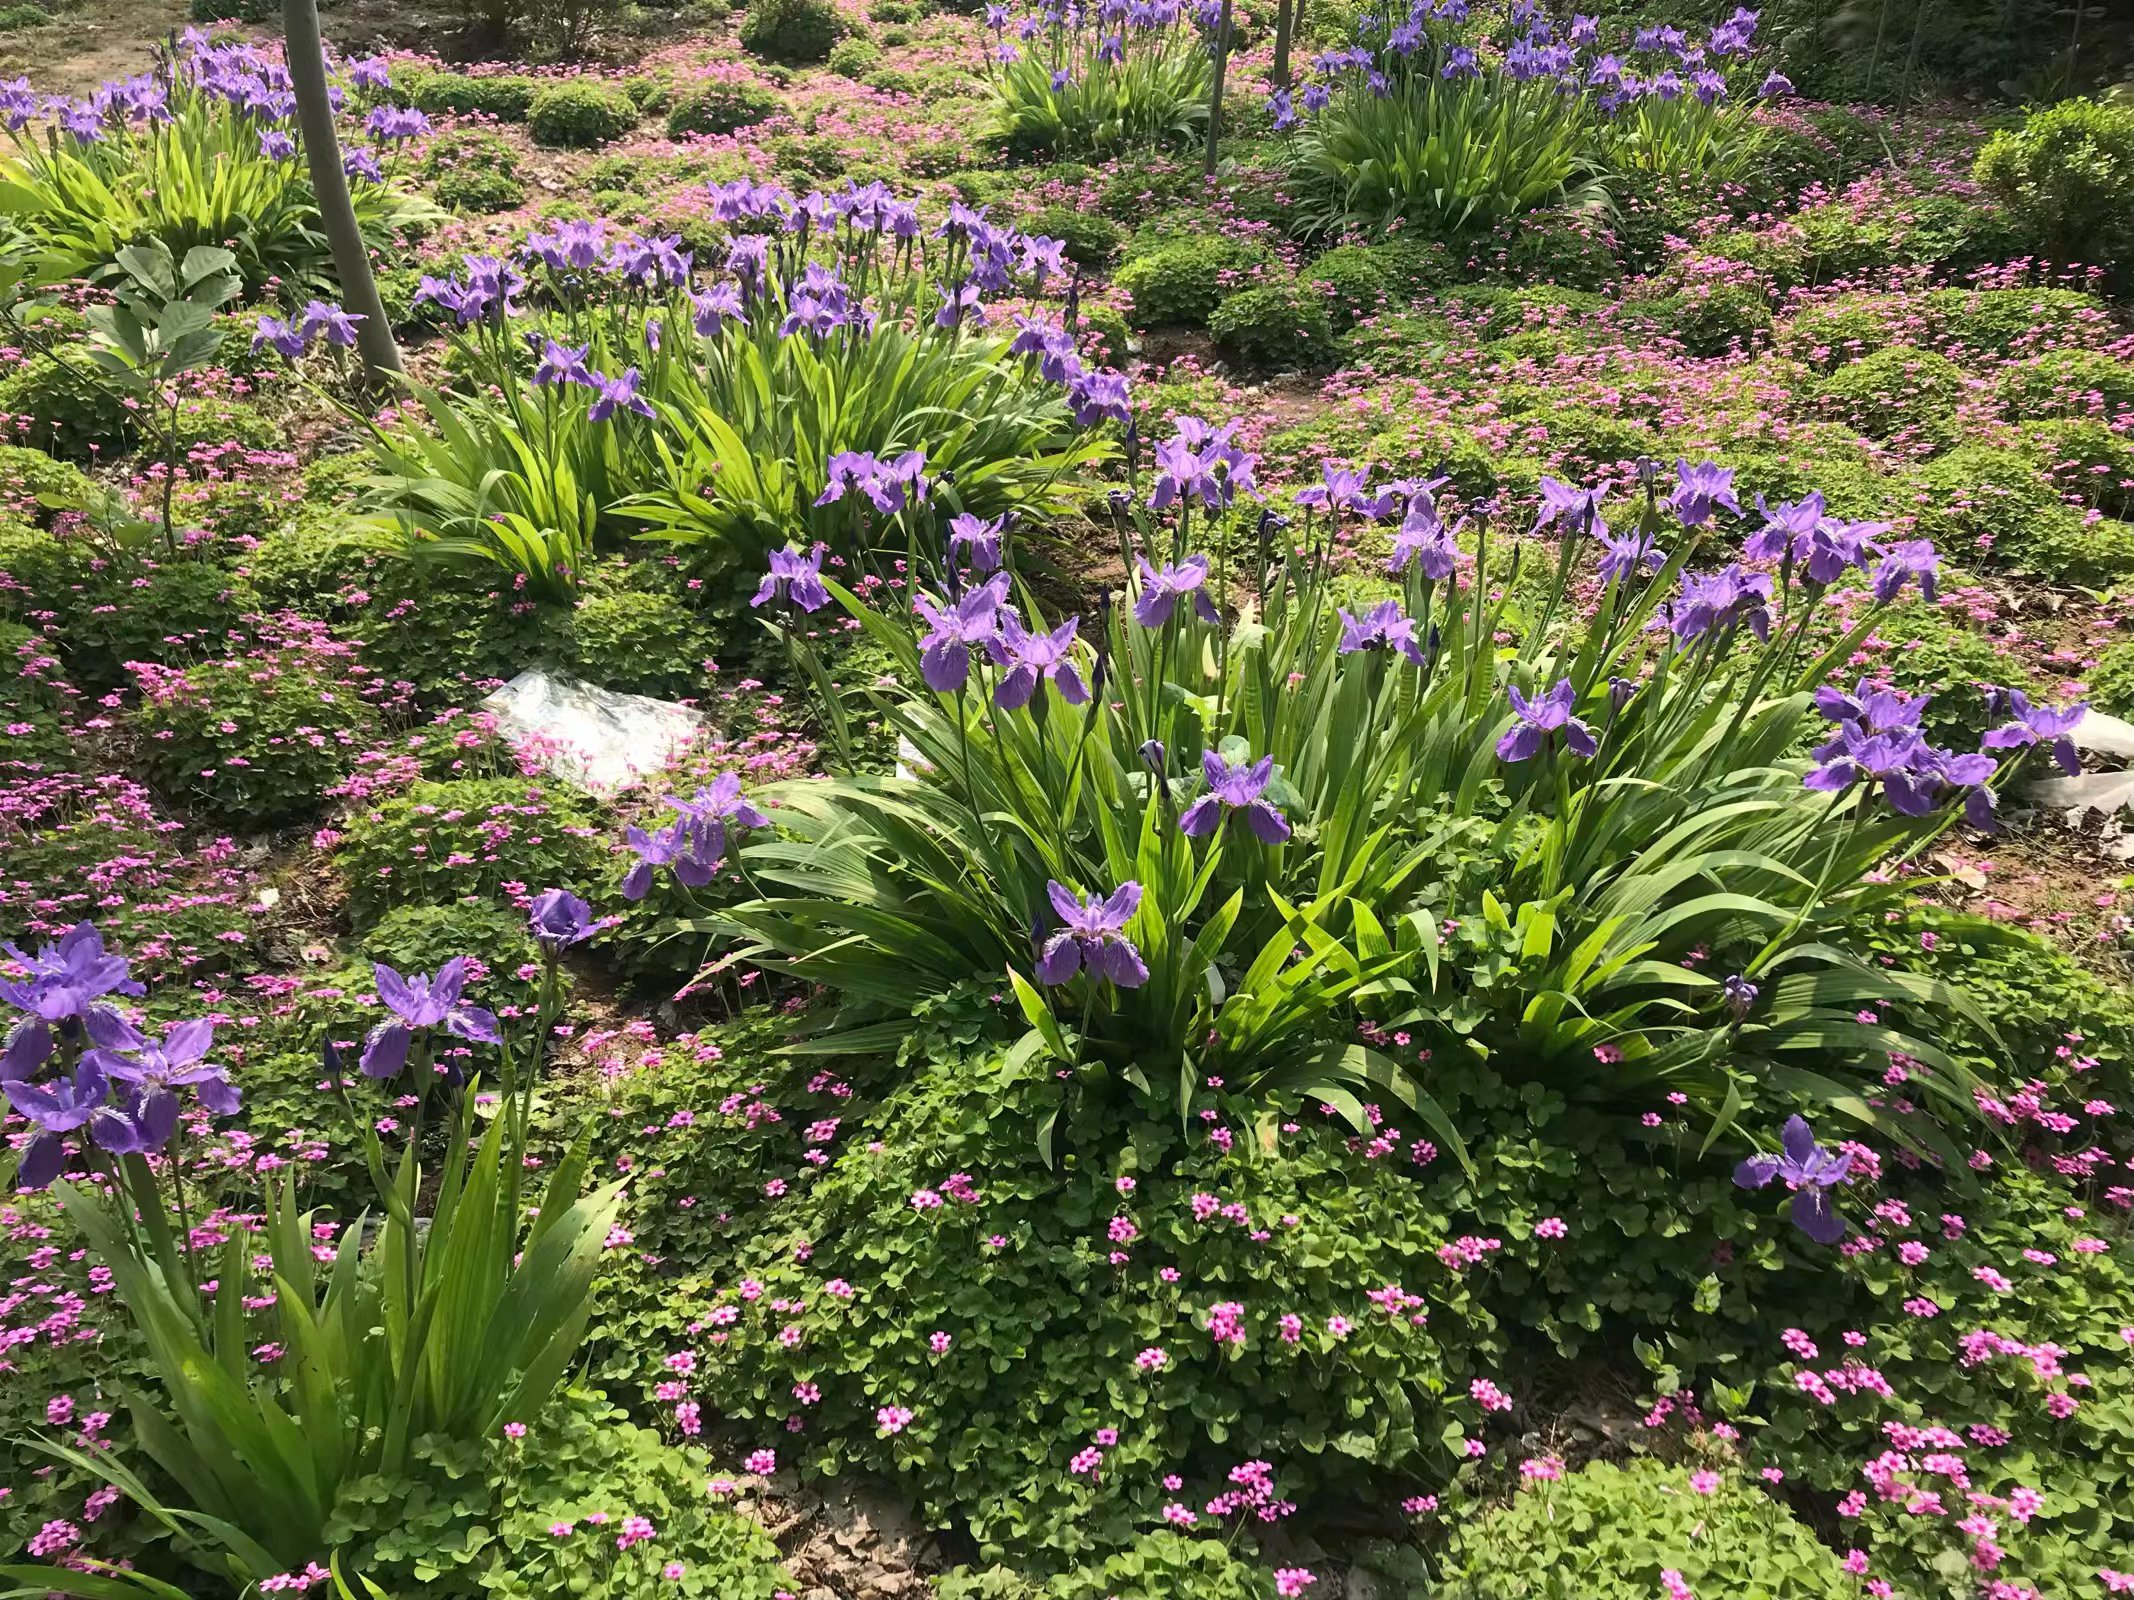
(1282, 25)
(1215, 92)
(329, 184)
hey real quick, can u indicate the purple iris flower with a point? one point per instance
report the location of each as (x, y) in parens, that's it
(1340, 489)
(1720, 600)
(1876, 710)
(1623, 554)
(1904, 561)
(276, 145)
(649, 261)
(1201, 462)
(559, 919)
(274, 333)
(616, 394)
(562, 363)
(976, 541)
(388, 123)
(1579, 508)
(1774, 85)
(337, 325)
(1162, 588)
(1095, 397)
(1380, 628)
(1032, 658)
(69, 979)
(973, 622)
(1740, 996)
(1540, 720)
(1425, 540)
(2041, 725)
(1810, 1171)
(57, 1108)
(888, 485)
(794, 575)
(1284, 113)
(1090, 937)
(177, 1061)
(362, 164)
(370, 72)
(571, 247)
(1701, 487)
(419, 1004)
(667, 847)
(1908, 768)
(716, 307)
(1235, 788)
(720, 803)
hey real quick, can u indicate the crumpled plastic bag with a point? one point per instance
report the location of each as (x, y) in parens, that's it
(600, 739)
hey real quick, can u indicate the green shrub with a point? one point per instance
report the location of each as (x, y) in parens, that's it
(1046, 1332)
(478, 1518)
(1497, 311)
(1358, 281)
(2111, 681)
(443, 842)
(1607, 1532)
(1826, 334)
(32, 708)
(651, 95)
(1114, 339)
(2066, 547)
(2067, 177)
(75, 416)
(2088, 459)
(2067, 383)
(1582, 439)
(435, 627)
(28, 476)
(1183, 282)
(897, 11)
(580, 115)
(938, 158)
(471, 169)
(172, 613)
(1711, 319)
(1091, 239)
(644, 641)
(891, 80)
(14, 19)
(854, 57)
(255, 739)
(1980, 501)
(2012, 322)
(1567, 248)
(798, 32)
(504, 96)
(720, 106)
(1279, 327)
(41, 573)
(1901, 389)
(1168, 1565)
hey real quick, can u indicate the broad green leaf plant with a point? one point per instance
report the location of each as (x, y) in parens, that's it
(196, 151)
(1267, 817)
(635, 397)
(300, 1353)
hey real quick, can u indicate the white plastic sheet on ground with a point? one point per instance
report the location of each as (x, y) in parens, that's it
(598, 738)
(2108, 794)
